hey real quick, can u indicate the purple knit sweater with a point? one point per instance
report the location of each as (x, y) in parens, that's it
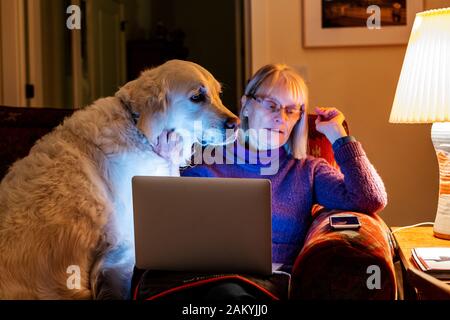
(299, 184)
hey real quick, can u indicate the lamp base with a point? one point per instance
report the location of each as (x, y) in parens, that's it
(442, 225)
(441, 235)
(440, 135)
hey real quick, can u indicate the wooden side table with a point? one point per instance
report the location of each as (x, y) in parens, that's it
(417, 284)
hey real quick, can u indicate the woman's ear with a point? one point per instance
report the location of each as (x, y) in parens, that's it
(243, 105)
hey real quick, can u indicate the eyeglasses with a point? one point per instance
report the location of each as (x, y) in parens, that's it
(293, 111)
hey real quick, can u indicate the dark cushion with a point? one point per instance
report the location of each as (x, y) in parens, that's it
(20, 128)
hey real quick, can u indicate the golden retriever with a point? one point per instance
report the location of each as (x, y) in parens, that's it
(66, 226)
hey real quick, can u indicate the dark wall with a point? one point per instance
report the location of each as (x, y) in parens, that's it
(208, 29)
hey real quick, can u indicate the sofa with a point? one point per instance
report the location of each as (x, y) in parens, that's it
(331, 265)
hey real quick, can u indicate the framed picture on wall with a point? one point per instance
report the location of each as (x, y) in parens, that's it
(335, 23)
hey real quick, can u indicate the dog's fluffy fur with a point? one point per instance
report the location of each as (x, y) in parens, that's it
(68, 203)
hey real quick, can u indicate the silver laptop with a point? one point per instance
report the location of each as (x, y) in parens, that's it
(203, 224)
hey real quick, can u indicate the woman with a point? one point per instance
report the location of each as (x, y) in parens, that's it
(274, 130)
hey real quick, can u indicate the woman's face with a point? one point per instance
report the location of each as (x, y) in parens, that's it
(269, 125)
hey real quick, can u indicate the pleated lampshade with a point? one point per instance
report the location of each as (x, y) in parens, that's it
(423, 90)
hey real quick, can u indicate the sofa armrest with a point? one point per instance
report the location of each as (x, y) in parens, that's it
(344, 264)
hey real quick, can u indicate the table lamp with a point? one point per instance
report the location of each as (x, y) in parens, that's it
(423, 96)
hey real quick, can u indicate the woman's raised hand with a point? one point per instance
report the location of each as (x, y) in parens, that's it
(329, 122)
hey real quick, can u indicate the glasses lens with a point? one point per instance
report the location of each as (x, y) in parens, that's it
(292, 111)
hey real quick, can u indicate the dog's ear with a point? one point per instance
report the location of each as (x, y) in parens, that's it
(125, 93)
(151, 124)
(153, 118)
(148, 99)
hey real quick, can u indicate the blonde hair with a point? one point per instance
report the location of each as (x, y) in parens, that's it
(267, 77)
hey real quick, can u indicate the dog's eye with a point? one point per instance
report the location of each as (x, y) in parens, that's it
(197, 98)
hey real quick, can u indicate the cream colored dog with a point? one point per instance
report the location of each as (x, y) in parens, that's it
(66, 226)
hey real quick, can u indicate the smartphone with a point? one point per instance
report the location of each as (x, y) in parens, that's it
(347, 221)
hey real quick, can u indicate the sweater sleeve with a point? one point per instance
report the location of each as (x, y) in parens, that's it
(358, 187)
(196, 171)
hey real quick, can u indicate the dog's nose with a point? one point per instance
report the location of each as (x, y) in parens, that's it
(232, 123)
